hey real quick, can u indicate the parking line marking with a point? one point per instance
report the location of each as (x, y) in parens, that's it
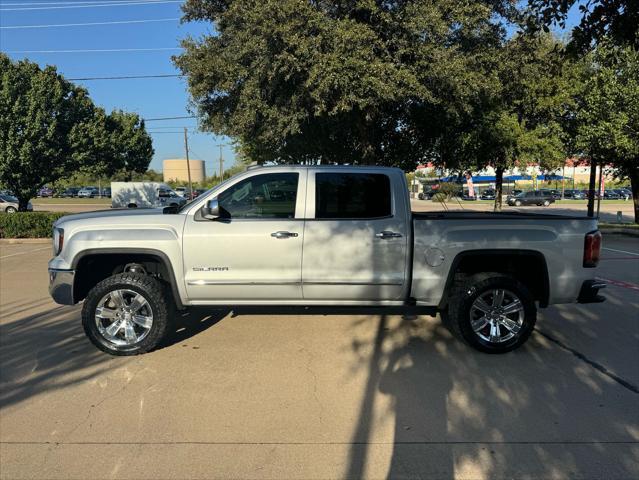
(620, 251)
(619, 283)
(25, 253)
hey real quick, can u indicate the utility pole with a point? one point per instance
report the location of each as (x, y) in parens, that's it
(188, 163)
(221, 162)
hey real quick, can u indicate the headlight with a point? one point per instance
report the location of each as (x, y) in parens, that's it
(58, 240)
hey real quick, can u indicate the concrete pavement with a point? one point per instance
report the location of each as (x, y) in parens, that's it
(290, 393)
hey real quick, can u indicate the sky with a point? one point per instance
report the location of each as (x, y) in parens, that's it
(150, 98)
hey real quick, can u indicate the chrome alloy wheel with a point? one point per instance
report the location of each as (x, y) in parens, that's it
(123, 317)
(497, 315)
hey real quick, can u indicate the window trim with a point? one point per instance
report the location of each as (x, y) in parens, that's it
(299, 200)
(311, 206)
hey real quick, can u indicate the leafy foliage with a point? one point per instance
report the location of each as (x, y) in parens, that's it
(609, 118)
(616, 20)
(50, 129)
(28, 224)
(351, 81)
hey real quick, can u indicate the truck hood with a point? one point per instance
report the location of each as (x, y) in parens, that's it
(128, 212)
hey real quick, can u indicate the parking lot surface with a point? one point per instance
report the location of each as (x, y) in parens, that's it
(319, 393)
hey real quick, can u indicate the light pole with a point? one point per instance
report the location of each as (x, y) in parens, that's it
(188, 163)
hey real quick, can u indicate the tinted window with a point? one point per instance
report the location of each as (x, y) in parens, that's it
(352, 195)
(271, 195)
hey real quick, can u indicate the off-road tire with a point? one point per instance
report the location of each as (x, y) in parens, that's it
(466, 289)
(160, 301)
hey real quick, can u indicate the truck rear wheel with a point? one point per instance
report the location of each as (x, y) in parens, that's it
(126, 314)
(492, 312)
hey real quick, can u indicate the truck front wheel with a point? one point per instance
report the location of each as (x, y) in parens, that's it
(492, 312)
(126, 314)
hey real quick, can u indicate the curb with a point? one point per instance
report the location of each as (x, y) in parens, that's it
(15, 241)
(628, 232)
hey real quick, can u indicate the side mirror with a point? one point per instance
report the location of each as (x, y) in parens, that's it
(211, 211)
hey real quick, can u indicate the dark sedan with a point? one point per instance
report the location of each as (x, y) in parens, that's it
(533, 197)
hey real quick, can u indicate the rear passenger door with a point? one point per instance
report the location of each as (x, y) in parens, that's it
(355, 238)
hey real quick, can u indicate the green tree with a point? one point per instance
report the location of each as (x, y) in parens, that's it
(617, 20)
(50, 129)
(522, 118)
(608, 129)
(350, 81)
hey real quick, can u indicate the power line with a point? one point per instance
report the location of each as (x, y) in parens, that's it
(18, 9)
(158, 119)
(103, 50)
(122, 22)
(127, 77)
(82, 2)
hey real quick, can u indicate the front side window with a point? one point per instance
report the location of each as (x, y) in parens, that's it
(270, 195)
(352, 195)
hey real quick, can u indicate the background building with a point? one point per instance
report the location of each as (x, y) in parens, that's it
(176, 169)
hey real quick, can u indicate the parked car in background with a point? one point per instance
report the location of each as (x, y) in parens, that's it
(88, 192)
(611, 195)
(556, 194)
(532, 197)
(45, 192)
(623, 193)
(106, 192)
(9, 204)
(199, 191)
(70, 192)
(488, 194)
(574, 195)
(181, 191)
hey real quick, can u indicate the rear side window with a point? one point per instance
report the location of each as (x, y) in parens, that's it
(352, 195)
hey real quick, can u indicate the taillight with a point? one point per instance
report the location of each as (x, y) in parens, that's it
(592, 249)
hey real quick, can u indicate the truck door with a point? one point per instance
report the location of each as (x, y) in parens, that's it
(254, 251)
(355, 240)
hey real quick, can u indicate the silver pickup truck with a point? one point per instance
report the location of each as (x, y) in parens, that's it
(327, 235)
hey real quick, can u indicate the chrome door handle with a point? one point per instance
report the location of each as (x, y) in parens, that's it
(388, 234)
(282, 234)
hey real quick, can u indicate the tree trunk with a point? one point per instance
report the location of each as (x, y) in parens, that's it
(499, 180)
(634, 186)
(23, 202)
(591, 187)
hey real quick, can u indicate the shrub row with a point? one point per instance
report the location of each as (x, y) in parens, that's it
(28, 224)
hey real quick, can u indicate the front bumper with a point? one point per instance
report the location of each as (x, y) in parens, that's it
(589, 292)
(61, 286)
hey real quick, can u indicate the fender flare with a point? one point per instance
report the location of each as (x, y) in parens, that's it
(164, 259)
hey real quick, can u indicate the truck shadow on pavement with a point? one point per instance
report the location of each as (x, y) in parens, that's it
(532, 413)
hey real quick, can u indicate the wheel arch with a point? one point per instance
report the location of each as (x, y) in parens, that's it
(103, 258)
(527, 266)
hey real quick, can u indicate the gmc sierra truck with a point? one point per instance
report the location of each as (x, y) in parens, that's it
(320, 235)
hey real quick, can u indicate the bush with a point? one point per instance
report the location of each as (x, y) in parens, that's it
(27, 224)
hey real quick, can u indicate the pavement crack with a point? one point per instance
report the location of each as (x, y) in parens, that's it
(308, 368)
(597, 366)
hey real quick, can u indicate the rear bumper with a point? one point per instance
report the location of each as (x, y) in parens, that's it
(589, 292)
(61, 286)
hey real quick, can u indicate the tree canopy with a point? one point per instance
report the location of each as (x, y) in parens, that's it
(342, 82)
(608, 128)
(50, 129)
(615, 20)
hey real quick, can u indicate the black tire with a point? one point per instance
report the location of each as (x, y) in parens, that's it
(518, 203)
(467, 289)
(11, 210)
(155, 293)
